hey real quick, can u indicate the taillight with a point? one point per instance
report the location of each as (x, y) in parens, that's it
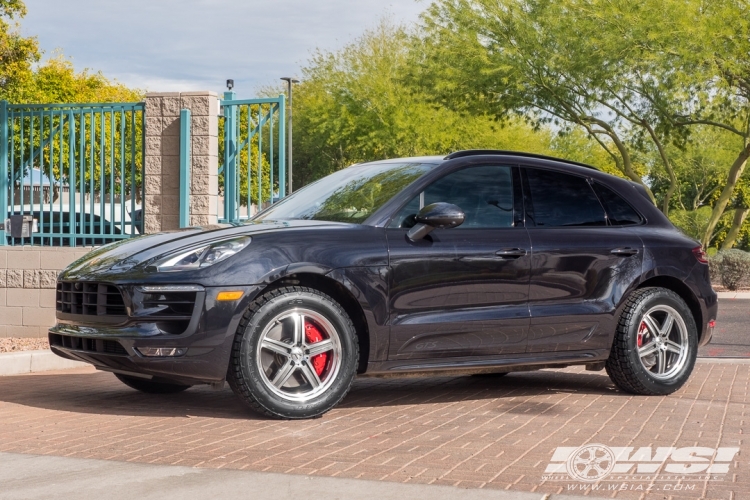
(700, 255)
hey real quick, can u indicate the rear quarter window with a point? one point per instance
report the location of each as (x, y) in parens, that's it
(619, 211)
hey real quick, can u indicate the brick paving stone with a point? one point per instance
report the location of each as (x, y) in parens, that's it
(465, 431)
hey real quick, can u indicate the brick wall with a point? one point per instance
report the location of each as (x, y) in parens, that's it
(27, 287)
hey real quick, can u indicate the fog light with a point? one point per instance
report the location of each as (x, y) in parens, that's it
(234, 295)
(162, 351)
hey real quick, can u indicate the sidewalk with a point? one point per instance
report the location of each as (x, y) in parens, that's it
(30, 477)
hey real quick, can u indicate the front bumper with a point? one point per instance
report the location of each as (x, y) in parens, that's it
(206, 344)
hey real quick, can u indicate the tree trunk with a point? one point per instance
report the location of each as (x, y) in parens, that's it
(726, 194)
(740, 214)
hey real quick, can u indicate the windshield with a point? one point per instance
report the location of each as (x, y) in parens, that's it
(349, 195)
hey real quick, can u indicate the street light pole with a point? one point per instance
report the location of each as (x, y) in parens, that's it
(290, 80)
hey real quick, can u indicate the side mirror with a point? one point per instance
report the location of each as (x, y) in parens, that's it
(436, 216)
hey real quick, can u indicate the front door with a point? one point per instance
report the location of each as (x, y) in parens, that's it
(582, 260)
(462, 291)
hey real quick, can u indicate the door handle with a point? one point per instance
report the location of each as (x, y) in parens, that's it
(624, 252)
(511, 253)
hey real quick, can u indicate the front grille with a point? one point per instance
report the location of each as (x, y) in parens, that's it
(89, 299)
(87, 344)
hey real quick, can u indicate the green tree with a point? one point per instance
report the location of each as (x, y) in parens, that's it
(361, 103)
(17, 53)
(57, 81)
(564, 63)
(713, 72)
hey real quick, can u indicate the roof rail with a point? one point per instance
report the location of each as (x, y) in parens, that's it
(478, 152)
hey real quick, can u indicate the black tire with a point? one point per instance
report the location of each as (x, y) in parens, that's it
(624, 365)
(151, 386)
(244, 375)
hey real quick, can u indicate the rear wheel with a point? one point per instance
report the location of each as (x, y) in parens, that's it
(655, 345)
(295, 354)
(151, 386)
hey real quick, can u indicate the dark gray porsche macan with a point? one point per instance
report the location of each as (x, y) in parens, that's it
(482, 261)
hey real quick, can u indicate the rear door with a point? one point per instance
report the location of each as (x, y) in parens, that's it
(582, 262)
(462, 291)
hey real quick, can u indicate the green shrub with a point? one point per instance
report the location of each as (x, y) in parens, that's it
(731, 266)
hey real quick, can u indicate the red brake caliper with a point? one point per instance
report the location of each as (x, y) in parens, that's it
(641, 332)
(313, 335)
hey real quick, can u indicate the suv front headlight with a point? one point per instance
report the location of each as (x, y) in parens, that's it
(201, 256)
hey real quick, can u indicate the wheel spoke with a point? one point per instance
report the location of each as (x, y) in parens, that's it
(310, 375)
(283, 375)
(661, 362)
(673, 346)
(648, 349)
(320, 347)
(653, 327)
(299, 329)
(275, 346)
(666, 327)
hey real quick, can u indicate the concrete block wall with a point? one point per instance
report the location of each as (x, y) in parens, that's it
(163, 158)
(28, 277)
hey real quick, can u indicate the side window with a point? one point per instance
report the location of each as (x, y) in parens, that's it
(619, 211)
(485, 194)
(559, 200)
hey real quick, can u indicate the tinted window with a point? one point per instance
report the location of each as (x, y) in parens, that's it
(559, 199)
(619, 212)
(485, 194)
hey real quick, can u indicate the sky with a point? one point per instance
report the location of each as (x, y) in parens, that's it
(180, 45)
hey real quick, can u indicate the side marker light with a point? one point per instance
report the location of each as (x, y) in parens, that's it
(227, 296)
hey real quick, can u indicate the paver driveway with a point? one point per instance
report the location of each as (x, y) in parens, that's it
(474, 432)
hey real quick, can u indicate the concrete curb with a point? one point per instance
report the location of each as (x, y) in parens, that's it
(21, 362)
(733, 295)
(727, 360)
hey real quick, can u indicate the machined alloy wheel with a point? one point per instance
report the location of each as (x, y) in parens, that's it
(662, 342)
(655, 345)
(293, 365)
(295, 354)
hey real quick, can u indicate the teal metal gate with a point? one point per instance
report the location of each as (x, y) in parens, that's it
(77, 169)
(252, 174)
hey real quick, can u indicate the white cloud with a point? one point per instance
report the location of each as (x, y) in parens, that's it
(168, 45)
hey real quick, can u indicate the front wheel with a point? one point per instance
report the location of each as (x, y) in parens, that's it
(295, 354)
(655, 345)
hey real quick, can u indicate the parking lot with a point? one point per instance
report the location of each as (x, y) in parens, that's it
(470, 432)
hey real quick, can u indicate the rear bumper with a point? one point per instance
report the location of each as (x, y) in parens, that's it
(699, 282)
(206, 346)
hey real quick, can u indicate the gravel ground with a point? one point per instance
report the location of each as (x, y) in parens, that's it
(10, 345)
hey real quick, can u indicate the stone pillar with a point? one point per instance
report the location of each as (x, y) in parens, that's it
(204, 177)
(162, 156)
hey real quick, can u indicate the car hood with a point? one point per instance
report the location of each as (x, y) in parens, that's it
(127, 254)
